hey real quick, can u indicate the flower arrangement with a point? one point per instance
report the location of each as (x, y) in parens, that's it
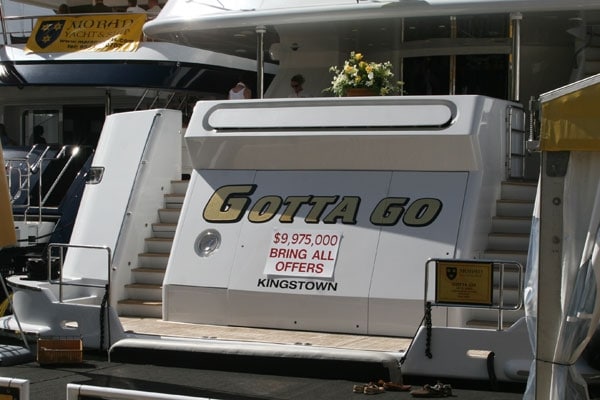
(358, 73)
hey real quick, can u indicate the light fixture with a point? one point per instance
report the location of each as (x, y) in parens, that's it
(207, 242)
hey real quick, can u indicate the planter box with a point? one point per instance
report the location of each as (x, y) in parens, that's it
(60, 351)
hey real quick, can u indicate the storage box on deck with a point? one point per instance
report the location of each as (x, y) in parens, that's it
(59, 351)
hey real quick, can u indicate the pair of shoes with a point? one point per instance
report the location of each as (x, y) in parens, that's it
(359, 388)
(394, 387)
(372, 388)
(369, 388)
(437, 390)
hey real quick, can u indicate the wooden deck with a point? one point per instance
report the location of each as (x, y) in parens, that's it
(151, 326)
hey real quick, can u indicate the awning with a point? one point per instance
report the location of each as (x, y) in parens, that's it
(570, 117)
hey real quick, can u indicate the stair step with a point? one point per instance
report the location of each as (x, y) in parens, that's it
(514, 208)
(503, 224)
(150, 276)
(179, 187)
(144, 291)
(169, 215)
(166, 230)
(511, 277)
(153, 260)
(158, 245)
(140, 308)
(518, 190)
(510, 296)
(506, 255)
(508, 241)
(174, 200)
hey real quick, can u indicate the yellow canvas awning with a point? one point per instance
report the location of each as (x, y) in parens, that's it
(570, 118)
(106, 32)
(7, 227)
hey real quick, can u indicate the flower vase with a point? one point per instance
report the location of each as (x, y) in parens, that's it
(358, 92)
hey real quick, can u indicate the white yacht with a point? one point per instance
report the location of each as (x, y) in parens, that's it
(404, 216)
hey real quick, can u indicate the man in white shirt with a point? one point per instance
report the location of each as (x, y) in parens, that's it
(153, 7)
(133, 7)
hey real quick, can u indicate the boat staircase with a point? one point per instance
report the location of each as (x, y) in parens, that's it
(510, 230)
(144, 293)
(508, 241)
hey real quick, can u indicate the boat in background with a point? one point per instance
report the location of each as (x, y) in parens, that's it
(69, 94)
(372, 216)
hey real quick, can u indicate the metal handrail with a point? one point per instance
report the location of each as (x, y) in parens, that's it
(60, 282)
(24, 184)
(62, 172)
(500, 265)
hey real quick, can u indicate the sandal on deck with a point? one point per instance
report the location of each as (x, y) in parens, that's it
(372, 388)
(437, 390)
(394, 387)
(359, 388)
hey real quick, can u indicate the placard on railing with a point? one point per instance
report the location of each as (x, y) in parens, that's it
(459, 282)
(476, 283)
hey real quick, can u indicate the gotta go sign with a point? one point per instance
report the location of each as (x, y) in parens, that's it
(119, 32)
(311, 252)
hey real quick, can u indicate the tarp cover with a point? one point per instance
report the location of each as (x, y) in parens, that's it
(570, 123)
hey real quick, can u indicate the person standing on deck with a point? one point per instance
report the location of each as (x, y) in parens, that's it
(37, 137)
(63, 9)
(297, 89)
(132, 7)
(153, 7)
(240, 91)
(99, 7)
(4, 138)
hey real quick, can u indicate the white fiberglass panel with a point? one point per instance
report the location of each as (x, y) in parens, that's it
(186, 266)
(136, 161)
(350, 195)
(405, 248)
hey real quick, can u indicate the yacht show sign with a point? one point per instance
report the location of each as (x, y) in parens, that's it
(119, 32)
(303, 253)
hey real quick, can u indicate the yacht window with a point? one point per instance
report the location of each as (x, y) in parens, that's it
(426, 28)
(482, 26)
(49, 119)
(462, 55)
(485, 74)
(427, 75)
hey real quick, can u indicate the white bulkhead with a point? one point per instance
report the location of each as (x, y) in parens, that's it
(316, 215)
